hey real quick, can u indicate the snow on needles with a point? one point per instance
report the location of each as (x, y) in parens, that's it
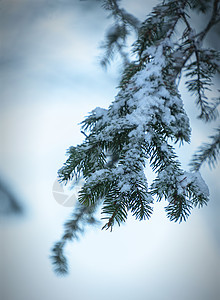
(147, 112)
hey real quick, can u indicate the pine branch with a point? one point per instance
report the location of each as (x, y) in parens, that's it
(81, 216)
(116, 209)
(198, 38)
(200, 5)
(115, 43)
(120, 14)
(142, 124)
(207, 153)
(178, 209)
(215, 18)
(159, 25)
(139, 203)
(116, 36)
(204, 68)
(182, 190)
(58, 259)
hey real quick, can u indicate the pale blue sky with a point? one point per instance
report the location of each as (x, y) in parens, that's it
(50, 80)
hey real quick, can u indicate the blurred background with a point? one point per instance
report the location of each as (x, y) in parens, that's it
(50, 79)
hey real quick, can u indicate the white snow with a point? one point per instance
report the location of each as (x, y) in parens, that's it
(147, 100)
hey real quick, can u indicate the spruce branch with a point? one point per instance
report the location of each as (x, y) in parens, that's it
(200, 5)
(58, 259)
(143, 123)
(75, 226)
(116, 35)
(178, 209)
(214, 19)
(204, 68)
(117, 211)
(120, 14)
(207, 153)
(198, 38)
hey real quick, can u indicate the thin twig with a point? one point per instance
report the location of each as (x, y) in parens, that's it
(213, 20)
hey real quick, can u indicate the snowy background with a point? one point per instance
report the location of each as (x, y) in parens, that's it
(50, 80)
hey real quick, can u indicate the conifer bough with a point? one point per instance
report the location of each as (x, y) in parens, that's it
(144, 122)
